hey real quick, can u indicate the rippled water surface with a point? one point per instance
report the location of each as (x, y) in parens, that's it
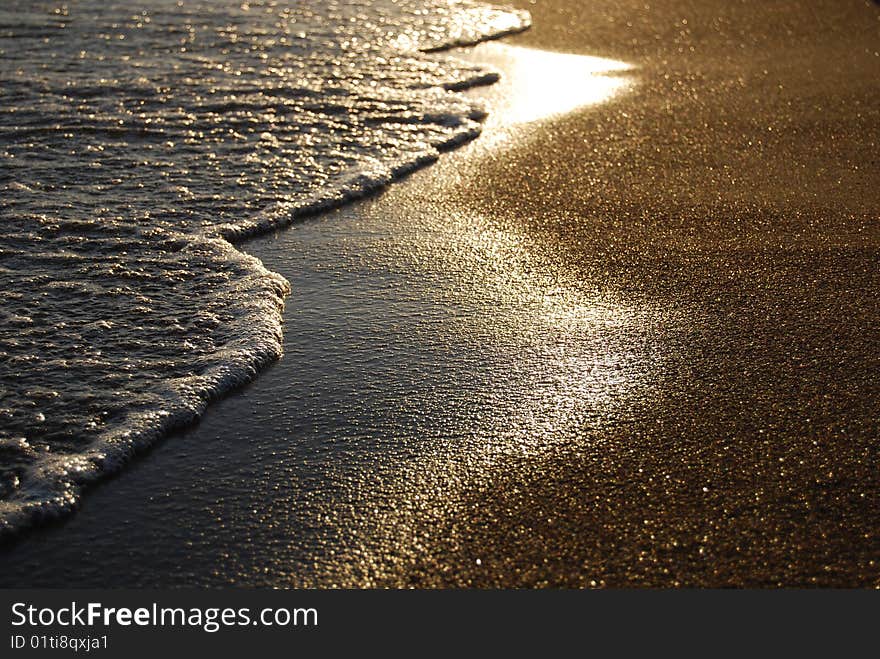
(135, 141)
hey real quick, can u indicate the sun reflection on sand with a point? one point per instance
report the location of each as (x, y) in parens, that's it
(538, 84)
(493, 353)
(543, 362)
(568, 350)
(525, 362)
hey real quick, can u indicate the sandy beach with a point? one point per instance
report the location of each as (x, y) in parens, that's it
(631, 343)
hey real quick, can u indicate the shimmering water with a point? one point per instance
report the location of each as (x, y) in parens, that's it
(136, 141)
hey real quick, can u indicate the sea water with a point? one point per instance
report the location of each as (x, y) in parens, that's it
(138, 142)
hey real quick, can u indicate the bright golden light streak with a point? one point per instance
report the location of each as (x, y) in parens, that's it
(537, 84)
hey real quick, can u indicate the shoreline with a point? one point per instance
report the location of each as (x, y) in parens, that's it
(100, 511)
(528, 366)
(67, 477)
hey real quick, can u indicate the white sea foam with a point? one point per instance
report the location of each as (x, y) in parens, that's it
(135, 144)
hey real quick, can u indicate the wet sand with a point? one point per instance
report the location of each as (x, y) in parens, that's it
(734, 185)
(636, 344)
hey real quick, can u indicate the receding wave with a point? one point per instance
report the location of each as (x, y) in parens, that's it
(137, 141)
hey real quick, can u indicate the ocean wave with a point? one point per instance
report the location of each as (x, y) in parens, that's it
(137, 143)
